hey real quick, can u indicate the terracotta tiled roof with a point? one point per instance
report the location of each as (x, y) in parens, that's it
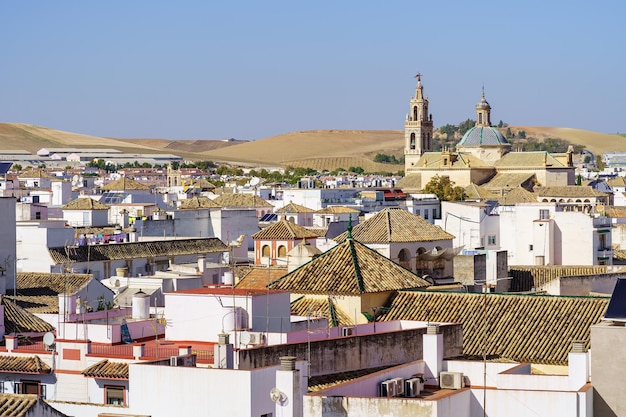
(517, 195)
(258, 277)
(17, 405)
(525, 328)
(198, 203)
(529, 159)
(85, 203)
(319, 231)
(526, 277)
(284, 230)
(107, 370)
(23, 365)
(572, 191)
(321, 307)
(395, 224)
(337, 210)
(42, 304)
(137, 250)
(34, 173)
(41, 283)
(203, 183)
(348, 268)
(508, 180)
(458, 159)
(241, 200)
(474, 191)
(615, 212)
(320, 382)
(412, 181)
(616, 182)
(124, 183)
(18, 320)
(293, 208)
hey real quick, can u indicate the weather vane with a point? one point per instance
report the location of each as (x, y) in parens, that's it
(418, 76)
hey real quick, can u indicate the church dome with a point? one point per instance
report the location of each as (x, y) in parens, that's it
(483, 136)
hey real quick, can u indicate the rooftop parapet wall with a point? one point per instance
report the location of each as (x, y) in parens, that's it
(357, 352)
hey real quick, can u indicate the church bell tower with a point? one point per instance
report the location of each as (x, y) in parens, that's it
(418, 127)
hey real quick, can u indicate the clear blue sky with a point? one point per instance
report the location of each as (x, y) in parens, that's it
(249, 70)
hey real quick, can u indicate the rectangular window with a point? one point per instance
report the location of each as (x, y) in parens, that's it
(530, 248)
(114, 395)
(491, 240)
(544, 214)
(426, 214)
(37, 215)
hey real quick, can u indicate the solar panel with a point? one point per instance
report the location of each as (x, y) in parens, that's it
(269, 217)
(617, 306)
(4, 167)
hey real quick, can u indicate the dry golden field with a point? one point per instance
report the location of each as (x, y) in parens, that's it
(318, 149)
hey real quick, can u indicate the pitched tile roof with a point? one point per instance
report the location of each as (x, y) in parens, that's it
(320, 382)
(37, 304)
(241, 200)
(321, 307)
(337, 210)
(458, 159)
(350, 268)
(411, 181)
(107, 370)
(203, 183)
(517, 195)
(529, 159)
(18, 320)
(137, 250)
(293, 208)
(41, 283)
(17, 405)
(617, 182)
(198, 203)
(474, 191)
(395, 224)
(284, 230)
(23, 365)
(258, 277)
(615, 212)
(525, 328)
(124, 183)
(572, 191)
(85, 203)
(526, 277)
(508, 180)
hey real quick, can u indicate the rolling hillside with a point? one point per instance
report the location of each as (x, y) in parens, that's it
(318, 149)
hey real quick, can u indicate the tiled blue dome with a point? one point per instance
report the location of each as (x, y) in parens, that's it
(483, 136)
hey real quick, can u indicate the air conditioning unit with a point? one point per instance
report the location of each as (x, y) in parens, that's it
(413, 387)
(388, 388)
(451, 380)
(256, 338)
(347, 331)
(399, 385)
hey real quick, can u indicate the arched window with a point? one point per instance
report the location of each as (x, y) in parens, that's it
(421, 250)
(415, 113)
(480, 118)
(404, 258)
(291, 219)
(412, 141)
(282, 251)
(265, 251)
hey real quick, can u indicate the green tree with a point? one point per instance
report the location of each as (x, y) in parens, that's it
(465, 126)
(17, 167)
(448, 130)
(521, 134)
(175, 165)
(444, 189)
(600, 163)
(509, 134)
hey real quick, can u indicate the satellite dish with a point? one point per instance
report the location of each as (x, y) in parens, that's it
(276, 395)
(254, 181)
(48, 339)
(245, 338)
